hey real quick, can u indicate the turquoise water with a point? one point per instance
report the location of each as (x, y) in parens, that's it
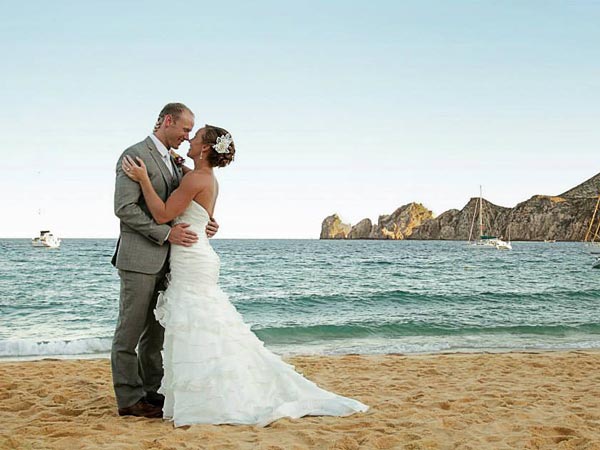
(311, 296)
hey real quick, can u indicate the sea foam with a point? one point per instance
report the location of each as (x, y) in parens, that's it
(18, 348)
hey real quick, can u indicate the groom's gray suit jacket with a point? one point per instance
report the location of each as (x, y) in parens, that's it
(142, 245)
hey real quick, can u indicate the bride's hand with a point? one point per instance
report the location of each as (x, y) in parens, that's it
(134, 171)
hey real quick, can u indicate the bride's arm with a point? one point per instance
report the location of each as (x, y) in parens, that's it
(177, 202)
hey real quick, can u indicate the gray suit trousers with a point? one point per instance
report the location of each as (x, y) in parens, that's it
(136, 374)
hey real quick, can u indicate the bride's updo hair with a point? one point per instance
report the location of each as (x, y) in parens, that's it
(215, 158)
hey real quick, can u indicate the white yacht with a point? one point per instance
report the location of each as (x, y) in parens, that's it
(486, 241)
(502, 245)
(492, 242)
(46, 239)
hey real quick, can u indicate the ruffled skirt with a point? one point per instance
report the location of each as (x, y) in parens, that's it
(216, 371)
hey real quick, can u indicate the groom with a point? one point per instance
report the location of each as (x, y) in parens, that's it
(142, 257)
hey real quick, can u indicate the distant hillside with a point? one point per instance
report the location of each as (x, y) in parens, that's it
(564, 218)
(587, 189)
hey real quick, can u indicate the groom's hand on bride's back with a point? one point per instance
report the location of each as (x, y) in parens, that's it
(212, 227)
(181, 235)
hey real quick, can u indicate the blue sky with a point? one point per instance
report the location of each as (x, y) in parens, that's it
(343, 107)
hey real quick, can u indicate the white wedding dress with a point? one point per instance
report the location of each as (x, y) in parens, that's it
(216, 370)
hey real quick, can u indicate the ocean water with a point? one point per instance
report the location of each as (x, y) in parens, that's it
(324, 297)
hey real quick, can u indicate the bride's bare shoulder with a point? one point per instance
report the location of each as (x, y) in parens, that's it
(198, 178)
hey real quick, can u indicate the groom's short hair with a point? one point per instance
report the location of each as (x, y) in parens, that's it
(174, 110)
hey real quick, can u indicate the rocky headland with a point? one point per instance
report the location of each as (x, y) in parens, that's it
(398, 225)
(565, 217)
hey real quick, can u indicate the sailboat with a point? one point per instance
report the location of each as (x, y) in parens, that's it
(486, 240)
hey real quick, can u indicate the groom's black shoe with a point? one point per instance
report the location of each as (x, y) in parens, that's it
(155, 399)
(141, 409)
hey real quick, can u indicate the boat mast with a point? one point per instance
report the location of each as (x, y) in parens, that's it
(480, 213)
(587, 235)
(473, 222)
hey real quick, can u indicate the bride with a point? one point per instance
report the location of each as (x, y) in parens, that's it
(216, 370)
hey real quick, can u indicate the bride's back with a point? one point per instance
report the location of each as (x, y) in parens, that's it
(207, 188)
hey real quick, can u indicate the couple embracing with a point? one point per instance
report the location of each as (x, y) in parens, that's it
(181, 350)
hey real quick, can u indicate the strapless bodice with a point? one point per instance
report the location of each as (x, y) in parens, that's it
(196, 216)
(198, 264)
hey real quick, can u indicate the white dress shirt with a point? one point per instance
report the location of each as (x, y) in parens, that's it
(164, 153)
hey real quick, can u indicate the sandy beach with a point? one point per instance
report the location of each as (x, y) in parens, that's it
(547, 400)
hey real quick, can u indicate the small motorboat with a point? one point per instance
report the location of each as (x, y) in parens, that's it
(46, 239)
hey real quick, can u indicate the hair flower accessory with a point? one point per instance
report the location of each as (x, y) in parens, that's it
(223, 143)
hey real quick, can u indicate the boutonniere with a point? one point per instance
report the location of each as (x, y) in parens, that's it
(179, 160)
